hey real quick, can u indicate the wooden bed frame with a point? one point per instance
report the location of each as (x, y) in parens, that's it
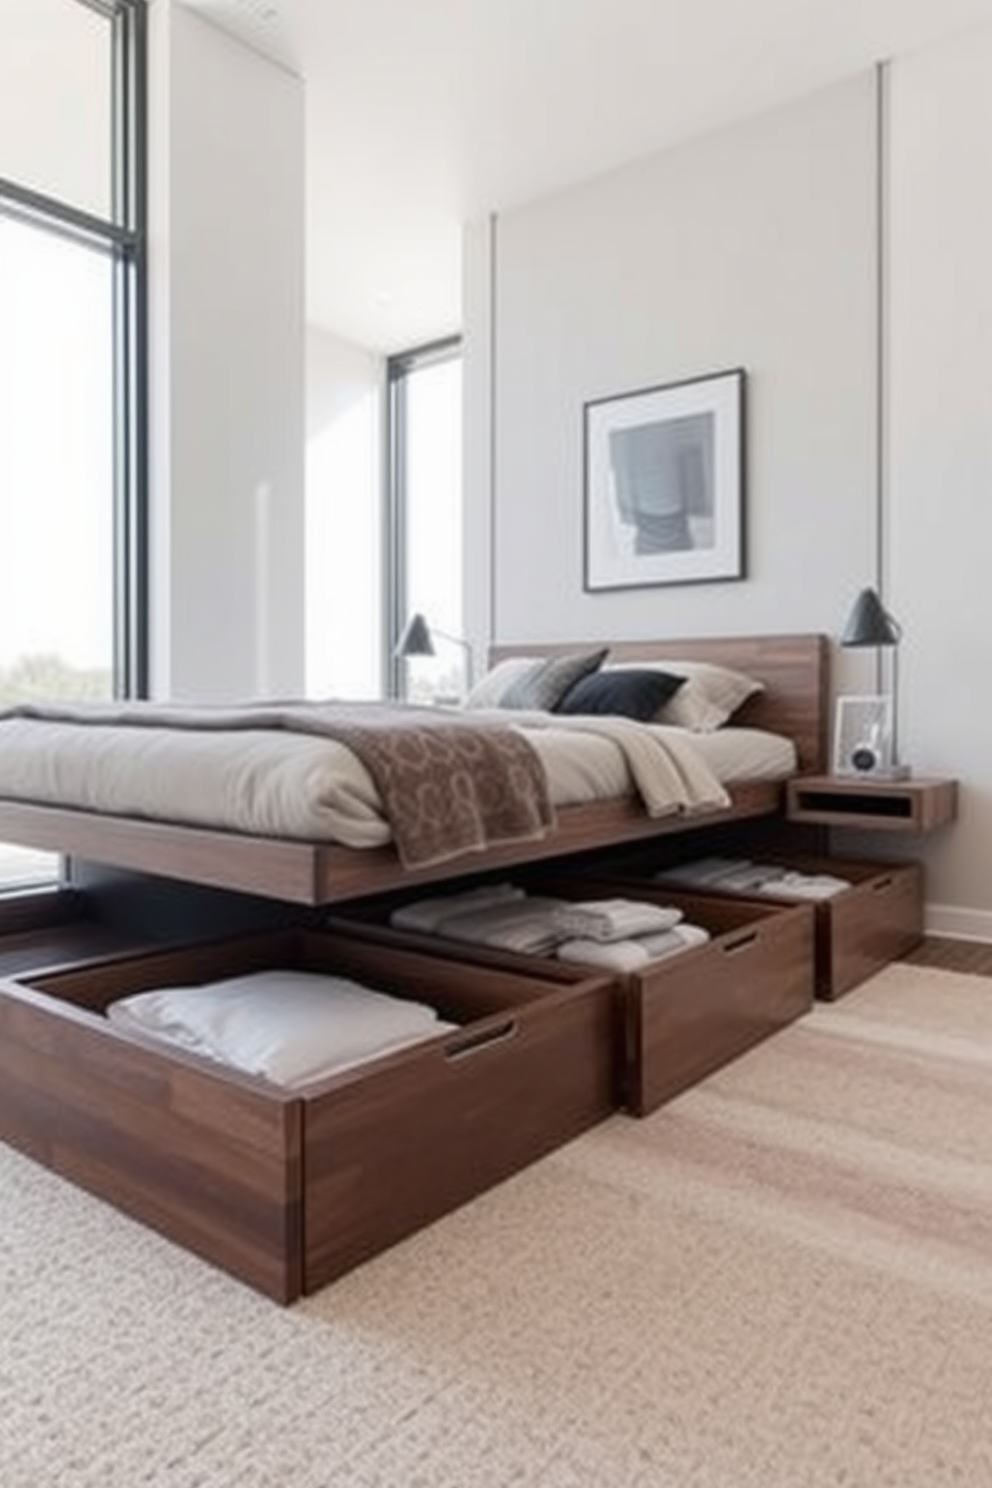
(793, 669)
(289, 1190)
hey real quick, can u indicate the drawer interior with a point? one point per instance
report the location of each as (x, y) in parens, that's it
(398, 970)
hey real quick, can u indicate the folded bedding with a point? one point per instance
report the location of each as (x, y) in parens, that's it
(616, 934)
(632, 955)
(528, 926)
(291, 1027)
(614, 919)
(425, 915)
(742, 876)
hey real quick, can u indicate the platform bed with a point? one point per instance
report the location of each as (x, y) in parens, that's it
(288, 1189)
(792, 668)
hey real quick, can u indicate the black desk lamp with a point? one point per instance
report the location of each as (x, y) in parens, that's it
(870, 624)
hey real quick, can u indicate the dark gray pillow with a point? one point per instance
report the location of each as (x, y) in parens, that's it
(547, 684)
(628, 694)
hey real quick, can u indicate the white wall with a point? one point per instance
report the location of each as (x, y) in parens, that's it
(940, 447)
(344, 525)
(227, 390)
(757, 246)
(753, 247)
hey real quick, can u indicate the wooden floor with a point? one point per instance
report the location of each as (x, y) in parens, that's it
(972, 956)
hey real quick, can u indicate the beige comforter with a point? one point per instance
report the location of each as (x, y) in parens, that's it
(291, 780)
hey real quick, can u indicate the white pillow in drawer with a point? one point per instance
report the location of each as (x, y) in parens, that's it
(289, 1026)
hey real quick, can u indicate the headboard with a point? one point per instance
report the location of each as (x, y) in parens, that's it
(793, 668)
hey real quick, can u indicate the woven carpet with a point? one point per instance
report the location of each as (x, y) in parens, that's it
(781, 1280)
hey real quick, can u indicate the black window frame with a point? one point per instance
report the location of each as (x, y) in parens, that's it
(399, 368)
(124, 235)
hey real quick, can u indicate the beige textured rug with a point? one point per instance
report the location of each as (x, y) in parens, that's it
(781, 1280)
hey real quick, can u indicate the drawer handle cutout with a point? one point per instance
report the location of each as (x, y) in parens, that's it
(741, 943)
(474, 1043)
(880, 884)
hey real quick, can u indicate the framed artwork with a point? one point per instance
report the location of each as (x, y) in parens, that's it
(664, 484)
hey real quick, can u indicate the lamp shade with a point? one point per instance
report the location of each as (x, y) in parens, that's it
(415, 640)
(869, 623)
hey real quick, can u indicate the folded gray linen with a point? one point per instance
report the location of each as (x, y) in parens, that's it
(425, 915)
(528, 926)
(742, 876)
(804, 886)
(703, 871)
(632, 955)
(615, 919)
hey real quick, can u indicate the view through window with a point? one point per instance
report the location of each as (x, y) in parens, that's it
(70, 347)
(426, 448)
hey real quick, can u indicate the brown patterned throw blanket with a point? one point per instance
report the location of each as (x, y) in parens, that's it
(448, 785)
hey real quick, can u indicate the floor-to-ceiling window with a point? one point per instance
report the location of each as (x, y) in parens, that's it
(425, 468)
(71, 357)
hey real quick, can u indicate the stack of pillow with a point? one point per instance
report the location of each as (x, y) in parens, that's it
(695, 695)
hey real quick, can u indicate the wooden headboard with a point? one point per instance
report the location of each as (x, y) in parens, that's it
(793, 668)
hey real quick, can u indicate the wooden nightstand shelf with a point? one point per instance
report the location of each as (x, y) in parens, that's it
(871, 804)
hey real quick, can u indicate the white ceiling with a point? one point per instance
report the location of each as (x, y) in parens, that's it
(422, 114)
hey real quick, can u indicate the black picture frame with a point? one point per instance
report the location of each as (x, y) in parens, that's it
(663, 476)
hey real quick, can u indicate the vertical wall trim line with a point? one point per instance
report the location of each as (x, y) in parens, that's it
(881, 357)
(493, 633)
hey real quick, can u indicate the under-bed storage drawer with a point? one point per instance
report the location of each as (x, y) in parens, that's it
(288, 1189)
(859, 929)
(696, 1010)
(684, 1016)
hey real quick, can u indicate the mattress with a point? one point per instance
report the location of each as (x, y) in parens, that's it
(298, 786)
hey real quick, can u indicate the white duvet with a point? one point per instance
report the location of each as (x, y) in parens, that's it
(283, 784)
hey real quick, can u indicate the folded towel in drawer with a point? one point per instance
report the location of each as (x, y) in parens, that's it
(633, 955)
(528, 926)
(289, 1026)
(426, 915)
(615, 919)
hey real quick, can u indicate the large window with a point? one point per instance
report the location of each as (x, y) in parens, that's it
(425, 443)
(71, 357)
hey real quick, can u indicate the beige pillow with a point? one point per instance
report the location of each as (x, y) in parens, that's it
(709, 697)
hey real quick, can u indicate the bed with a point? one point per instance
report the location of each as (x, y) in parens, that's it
(357, 858)
(288, 1188)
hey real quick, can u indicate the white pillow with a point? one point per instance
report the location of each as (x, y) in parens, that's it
(708, 698)
(490, 690)
(289, 1026)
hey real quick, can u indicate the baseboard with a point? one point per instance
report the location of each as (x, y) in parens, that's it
(958, 924)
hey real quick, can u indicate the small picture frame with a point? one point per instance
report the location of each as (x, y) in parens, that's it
(863, 736)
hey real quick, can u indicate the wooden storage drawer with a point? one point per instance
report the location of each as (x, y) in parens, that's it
(858, 930)
(689, 1014)
(861, 929)
(288, 1189)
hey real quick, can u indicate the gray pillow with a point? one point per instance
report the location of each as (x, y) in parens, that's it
(545, 686)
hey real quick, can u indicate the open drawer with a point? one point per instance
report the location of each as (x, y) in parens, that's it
(682, 1017)
(860, 929)
(288, 1189)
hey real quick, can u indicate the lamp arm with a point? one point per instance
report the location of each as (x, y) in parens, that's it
(458, 641)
